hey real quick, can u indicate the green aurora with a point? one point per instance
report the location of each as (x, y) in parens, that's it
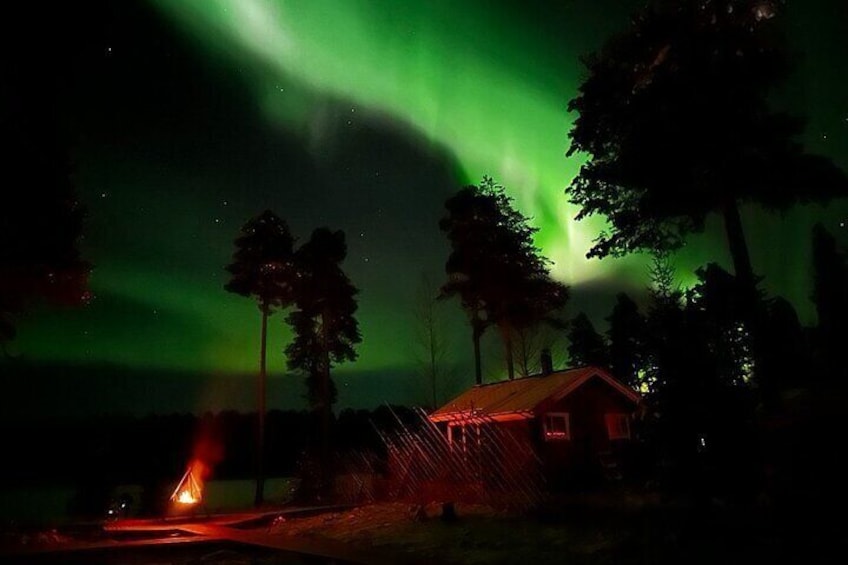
(474, 87)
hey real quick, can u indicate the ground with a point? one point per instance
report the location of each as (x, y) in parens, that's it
(580, 534)
(607, 530)
(479, 535)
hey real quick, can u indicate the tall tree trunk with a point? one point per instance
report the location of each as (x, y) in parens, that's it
(738, 246)
(325, 398)
(260, 431)
(476, 332)
(752, 314)
(506, 335)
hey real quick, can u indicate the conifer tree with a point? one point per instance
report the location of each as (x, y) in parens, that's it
(626, 337)
(263, 269)
(326, 331)
(495, 268)
(586, 346)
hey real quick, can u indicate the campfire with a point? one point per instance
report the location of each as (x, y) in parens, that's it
(185, 497)
(206, 453)
(189, 490)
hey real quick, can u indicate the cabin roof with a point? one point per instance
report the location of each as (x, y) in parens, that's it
(520, 398)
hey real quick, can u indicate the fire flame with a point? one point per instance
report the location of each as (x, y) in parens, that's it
(190, 488)
(185, 497)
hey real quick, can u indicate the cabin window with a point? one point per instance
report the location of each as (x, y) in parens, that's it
(618, 426)
(557, 426)
(460, 437)
(456, 437)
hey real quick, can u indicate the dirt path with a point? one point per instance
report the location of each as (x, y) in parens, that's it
(254, 529)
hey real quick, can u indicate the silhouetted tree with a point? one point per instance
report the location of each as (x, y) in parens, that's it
(663, 313)
(788, 357)
(530, 343)
(716, 305)
(626, 337)
(495, 268)
(830, 296)
(535, 313)
(661, 272)
(41, 218)
(534, 341)
(430, 338)
(471, 217)
(586, 346)
(697, 361)
(703, 326)
(324, 323)
(263, 269)
(667, 378)
(675, 117)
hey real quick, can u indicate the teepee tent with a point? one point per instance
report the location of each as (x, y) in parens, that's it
(188, 490)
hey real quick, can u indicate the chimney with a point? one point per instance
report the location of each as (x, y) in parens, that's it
(547, 362)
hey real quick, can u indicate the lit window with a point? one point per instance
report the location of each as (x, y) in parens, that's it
(457, 435)
(557, 426)
(618, 426)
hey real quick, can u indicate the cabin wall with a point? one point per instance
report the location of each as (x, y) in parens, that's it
(488, 459)
(579, 458)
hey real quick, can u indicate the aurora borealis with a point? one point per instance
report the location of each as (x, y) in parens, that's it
(189, 117)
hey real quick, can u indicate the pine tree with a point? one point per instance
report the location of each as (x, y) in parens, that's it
(495, 268)
(325, 327)
(263, 269)
(626, 337)
(586, 346)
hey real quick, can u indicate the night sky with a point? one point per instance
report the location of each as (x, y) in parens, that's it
(188, 117)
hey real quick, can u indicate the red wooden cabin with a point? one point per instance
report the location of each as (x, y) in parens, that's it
(578, 421)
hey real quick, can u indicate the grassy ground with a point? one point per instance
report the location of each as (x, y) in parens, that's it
(614, 528)
(585, 532)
